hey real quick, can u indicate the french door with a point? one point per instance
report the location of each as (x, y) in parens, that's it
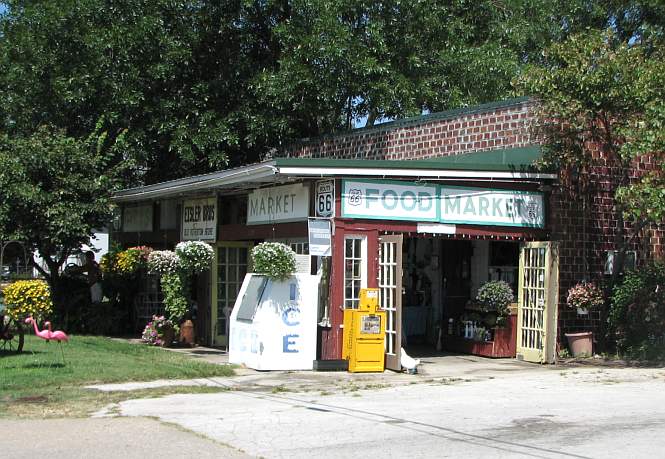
(232, 262)
(390, 296)
(537, 302)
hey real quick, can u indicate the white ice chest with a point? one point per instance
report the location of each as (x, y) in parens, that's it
(273, 324)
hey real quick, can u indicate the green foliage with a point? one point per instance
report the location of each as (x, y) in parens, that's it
(637, 315)
(495, 295)
(174, 288)
(55, 192)
(599, 88)
(176, 89)
(275, 260)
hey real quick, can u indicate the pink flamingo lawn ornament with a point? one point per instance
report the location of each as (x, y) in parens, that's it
(49, 335)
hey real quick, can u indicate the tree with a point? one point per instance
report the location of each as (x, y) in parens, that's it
(55, 192)
(187, 87)
(601, 114)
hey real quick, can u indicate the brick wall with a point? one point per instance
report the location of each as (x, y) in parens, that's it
(485, 127)
(497, 126)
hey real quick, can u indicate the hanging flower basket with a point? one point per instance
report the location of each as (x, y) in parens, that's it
(584, 296)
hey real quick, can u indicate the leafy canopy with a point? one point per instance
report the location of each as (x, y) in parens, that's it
(54, 192)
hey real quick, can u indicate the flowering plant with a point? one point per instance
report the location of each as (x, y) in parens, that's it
(275, 260)
(195, 256)
(163, 262)
(156, 329)
(495, 296)
(584, 296)
(126, 262)
(28, 298)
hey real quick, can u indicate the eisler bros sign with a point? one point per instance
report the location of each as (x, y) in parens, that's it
(199, 219)
(392, 200)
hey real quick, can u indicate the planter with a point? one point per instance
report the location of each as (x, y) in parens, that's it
(580, 344)
(187, 334)
(582, 311)
(167, 337)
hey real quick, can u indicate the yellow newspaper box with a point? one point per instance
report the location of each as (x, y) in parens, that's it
(364, 334)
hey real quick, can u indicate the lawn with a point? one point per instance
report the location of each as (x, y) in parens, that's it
(38, 383)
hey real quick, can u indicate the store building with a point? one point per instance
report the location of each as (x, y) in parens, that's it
(426, 209)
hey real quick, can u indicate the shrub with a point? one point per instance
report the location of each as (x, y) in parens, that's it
(637, 313)
(28, 298)
(275, 260)
(195, 256)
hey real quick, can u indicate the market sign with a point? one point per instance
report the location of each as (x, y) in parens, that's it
(199, 219)
(481, 206)
(287, 203)
(391, 200)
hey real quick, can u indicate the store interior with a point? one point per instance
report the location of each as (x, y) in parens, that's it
(441, 278)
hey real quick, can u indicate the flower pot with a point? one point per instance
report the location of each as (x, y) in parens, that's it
(187, 334)
(582, 311)
(167, 337)
(580, 344)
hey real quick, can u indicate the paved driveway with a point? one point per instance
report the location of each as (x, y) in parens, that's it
(586, 412)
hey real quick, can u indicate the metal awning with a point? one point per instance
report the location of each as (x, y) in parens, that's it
(508, 165)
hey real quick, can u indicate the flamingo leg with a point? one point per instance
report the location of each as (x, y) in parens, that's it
(63, 353)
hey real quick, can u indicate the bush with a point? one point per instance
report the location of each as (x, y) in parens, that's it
(28, 298)
(275, 260)
(637, 313)
(174, 288)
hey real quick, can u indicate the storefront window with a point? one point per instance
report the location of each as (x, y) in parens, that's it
(355, 271)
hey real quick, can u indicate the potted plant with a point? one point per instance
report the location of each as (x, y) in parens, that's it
(494, 297)
(274, 260)
(159, 332)
(583, 297)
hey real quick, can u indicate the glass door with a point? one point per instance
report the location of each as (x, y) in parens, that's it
(232, 262)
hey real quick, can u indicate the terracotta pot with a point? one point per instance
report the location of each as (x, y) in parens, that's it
(580, 344)
(167, 337)
(187, 334)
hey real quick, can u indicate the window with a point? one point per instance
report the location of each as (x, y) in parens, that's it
(355, 269)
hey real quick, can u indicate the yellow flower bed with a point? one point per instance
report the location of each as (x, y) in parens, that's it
(28, 298)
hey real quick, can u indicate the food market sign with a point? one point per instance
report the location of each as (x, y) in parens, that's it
(444, 204)
(199, 219)
(287, 203)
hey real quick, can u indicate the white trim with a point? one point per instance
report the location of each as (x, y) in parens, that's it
(363, 262)
(430, 173)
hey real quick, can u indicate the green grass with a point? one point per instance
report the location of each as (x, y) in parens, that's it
(37, 382)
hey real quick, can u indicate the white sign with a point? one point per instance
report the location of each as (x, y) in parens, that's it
(325, 198)
(479, 206)
(319, 237)
(135, 219)
(389, 200)
(392, 200)
(436, 228)
(278, 204)
(199, 219)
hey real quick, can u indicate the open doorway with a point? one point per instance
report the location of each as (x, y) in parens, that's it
(440, 280)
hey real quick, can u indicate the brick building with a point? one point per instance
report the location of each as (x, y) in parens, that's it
(539, 239)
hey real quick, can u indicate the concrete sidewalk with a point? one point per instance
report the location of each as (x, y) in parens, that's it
(125, 438)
